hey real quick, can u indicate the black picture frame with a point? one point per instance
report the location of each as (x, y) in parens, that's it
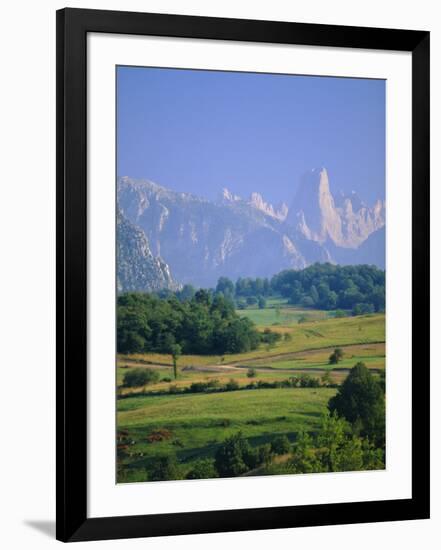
(71, 429)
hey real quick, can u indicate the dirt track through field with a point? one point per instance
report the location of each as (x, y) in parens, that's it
(241, 365)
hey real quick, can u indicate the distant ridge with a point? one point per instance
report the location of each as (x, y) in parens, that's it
(200, 240)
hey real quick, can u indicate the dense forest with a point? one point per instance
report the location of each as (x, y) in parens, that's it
(358, 288)
(202, 324)
(205, 321)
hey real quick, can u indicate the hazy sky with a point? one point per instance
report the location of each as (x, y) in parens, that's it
(200, 131)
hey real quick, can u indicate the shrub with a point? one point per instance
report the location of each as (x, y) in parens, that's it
(198, 387)
(203, 469)
(140, 377)
(231, 385)
(165, 468)
(265, 454)
(251, 373)
(363, 309)
(234, 456)
(269, 337)
(280, 445)
(336, 356)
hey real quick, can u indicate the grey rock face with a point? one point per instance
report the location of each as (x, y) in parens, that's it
(202, 240)
(346, 222)
(137, 268)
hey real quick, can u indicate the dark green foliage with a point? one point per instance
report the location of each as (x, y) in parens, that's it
(165, 468)
(140, 377)
(262, 302)
(363, 309)
(201, 325)
(232, 385)
(360, 288)
(360, 400)
(336, 356)
(280, 445)
(176, 352)
(226, 287)
(187, 293)
(334, 448)
(251, 373)
(270, 337)
(339, 313)
(234, 457)
(203, 469)
(265, 454)
(252, 287)
(306, 381)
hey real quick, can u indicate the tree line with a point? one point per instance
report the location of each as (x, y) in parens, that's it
(358, 288)
(202, 324)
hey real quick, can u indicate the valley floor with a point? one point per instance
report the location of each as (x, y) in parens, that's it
(194, 424)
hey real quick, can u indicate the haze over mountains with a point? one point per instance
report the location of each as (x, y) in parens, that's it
(167, 238)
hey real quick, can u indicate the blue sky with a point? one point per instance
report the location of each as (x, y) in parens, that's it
(200, 131)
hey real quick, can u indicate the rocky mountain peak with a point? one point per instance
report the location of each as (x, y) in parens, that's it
(256, 201)
(202, 240)
(228, 196)
(346, 221)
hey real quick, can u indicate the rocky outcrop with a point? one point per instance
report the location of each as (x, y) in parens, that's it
(346, 222)
(137, 268)
(202, 240)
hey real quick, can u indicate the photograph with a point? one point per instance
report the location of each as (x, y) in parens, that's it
(250, 274)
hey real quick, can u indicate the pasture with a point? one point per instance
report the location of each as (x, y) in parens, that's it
(196, 423)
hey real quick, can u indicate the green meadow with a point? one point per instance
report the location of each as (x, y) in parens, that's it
(153, 423)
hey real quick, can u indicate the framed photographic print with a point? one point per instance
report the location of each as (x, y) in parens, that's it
(242, 274)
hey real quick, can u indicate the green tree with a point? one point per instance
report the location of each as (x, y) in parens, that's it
(339, 313)
(251, 373)
(252, 300)
(140, 377)
(165, 468)
(176, 352)
(262, 302)
(226, 286)
(336, 356)
(305, 460)
(265, 454)
(360, 399)
(234, 456)
(203, 469)
(281, 445)
(232, 385)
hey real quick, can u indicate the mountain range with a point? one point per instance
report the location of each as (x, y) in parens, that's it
(168, 238)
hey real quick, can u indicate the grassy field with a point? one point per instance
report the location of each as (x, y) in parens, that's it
(278, 312)
(313, 335)
(199, 422)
